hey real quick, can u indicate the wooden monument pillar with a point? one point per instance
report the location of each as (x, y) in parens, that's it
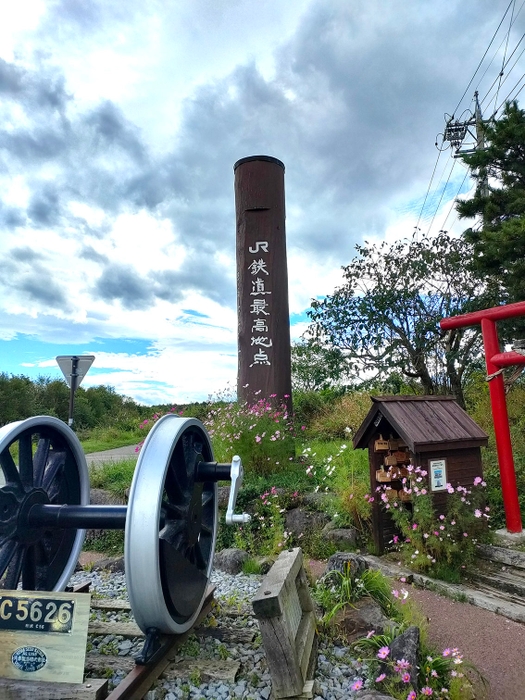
(262, 282)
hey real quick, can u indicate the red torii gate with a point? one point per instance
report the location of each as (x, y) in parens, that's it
(495, 362)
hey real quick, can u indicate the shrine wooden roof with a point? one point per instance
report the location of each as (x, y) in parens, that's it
(423, 422)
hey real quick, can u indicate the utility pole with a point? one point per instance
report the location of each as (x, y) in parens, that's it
(456, 131)
(480, 145)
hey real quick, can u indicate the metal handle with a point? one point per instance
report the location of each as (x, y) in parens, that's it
(236, 474)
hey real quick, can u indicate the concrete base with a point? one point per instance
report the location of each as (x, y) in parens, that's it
(506, 538)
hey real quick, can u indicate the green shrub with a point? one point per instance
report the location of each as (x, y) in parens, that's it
(341, 418)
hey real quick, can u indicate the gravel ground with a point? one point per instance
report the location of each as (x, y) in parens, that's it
(491, 642)
(336, 671)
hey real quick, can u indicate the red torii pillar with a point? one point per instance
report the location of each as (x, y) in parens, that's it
(496, 360)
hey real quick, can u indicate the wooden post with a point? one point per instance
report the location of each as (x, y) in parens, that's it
(262, 282)
(285, 612)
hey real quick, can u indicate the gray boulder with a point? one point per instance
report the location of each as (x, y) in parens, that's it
(113, 564)
(230, 560)
(302, 522)
(344, 538)
(341, 561)
(357, 620)
(405, 646)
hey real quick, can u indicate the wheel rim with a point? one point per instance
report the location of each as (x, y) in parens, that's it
(41, 461)
(168, 567)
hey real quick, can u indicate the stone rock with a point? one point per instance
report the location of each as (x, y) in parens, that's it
(101, 497)
(340, 561)
(317, 500)
(113, 564)
(344, 538)
(405, 646)
(364, 616)
(223, 494)
(300, 521)
(266, 564)
(230, 560)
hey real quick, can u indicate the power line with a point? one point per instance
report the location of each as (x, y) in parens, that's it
(442, 195)
(428, 190)
(452, 206)
(509, 98)
(483, 57)
(505, 54)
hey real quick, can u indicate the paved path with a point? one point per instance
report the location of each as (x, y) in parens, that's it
(495, 645)
(116, 455)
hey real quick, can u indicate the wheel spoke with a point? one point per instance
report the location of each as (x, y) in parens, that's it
(6, 555)
(29, 570)
(14, 569)
(206, 528)
(173, 533)
(207, 497)
(25, 459)
(56, 462)
(42, 556)
(9, 468)
(40, 460)
(199, 557)
(174, 511)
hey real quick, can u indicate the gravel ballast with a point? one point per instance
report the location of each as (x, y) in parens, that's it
(336, 668)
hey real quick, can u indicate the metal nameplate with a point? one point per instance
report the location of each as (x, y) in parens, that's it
(36, 614)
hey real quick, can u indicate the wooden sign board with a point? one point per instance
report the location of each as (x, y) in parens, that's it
(43, 635)
(285, 613)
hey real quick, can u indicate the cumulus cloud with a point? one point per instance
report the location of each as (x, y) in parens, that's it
(108, 124)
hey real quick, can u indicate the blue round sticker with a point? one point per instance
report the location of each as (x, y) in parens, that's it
(29, 659)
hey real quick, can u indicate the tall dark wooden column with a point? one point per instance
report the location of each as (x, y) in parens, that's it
(262, 281)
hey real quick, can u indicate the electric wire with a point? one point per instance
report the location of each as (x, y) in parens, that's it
(442, 195)
(428, 190)
(452, 206)
(507, 73)
(509, 98)
(483, 57)
(504, 55)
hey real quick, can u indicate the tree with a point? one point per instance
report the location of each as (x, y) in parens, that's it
(385, 317)
(17, 399)
(316, 367)
(499, 199)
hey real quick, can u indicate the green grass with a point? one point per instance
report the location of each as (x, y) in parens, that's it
(101, 439)
(114, 477)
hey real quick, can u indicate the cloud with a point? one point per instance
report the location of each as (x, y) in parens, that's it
(123, 283)
(117, 147)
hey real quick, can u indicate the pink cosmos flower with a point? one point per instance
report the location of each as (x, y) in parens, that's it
(357, 685)
(427, 691)
(405, 677)
(381, 677)
(383, 653)
(412, 695)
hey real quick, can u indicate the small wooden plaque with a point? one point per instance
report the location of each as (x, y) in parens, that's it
(43, 635)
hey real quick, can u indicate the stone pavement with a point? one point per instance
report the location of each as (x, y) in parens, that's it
(115, 455)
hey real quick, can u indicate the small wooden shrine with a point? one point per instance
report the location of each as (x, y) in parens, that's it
(432, 432)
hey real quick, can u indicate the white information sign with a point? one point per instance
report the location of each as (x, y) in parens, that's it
(438, 474)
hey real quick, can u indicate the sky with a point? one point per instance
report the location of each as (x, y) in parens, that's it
(120, 123)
